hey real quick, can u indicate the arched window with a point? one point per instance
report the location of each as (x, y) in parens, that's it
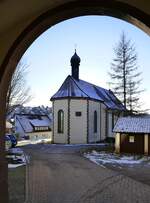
(95, 121)
(60, 121)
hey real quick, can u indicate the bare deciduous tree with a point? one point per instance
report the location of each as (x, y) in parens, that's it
(18, 92)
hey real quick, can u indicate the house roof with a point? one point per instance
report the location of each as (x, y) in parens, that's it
(81, 89)
(8, 125)
(133, 125)
(28, 122)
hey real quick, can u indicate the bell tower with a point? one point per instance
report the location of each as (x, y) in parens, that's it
(75, 63)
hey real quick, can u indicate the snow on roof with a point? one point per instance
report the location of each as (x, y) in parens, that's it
(82, 89)
(41, 123)
(29, 121)
(8, 125)
(133, 125)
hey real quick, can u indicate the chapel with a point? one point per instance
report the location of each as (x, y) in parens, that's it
(83, 112)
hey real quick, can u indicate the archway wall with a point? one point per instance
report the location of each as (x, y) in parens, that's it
(18, 37)
(18, 15)
(22, 23)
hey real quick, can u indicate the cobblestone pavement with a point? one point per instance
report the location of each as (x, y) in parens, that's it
(59, 174)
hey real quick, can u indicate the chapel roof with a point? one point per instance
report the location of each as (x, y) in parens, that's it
(72, 88)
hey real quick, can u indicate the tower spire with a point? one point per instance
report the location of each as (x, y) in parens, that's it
(75, 62)
(75, 47)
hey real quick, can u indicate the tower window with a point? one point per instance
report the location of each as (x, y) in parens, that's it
(60, 121)
(95, 121)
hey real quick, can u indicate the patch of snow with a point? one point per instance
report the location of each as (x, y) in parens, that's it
(26, 142)
(27, 159)
(102, 166)
(94, 152)
(105, 158)
(40, 123)
(15, 165)
(23, 142)
(18, 153)
(16, 150)
(73, 145)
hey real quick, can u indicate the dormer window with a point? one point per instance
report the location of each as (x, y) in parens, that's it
(41, 128)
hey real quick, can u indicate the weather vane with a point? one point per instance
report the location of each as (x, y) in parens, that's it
(75, 47)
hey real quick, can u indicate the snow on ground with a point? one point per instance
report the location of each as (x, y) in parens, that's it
(112, 158)
(72, 145)
(15, 165)
(17, 153)
(16, 150)
(26, 142)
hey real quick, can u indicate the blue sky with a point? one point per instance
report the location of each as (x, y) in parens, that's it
(94, 37)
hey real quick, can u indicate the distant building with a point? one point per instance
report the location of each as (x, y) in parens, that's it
(83, 112)
(38, 110)
(34, 127)
(8, 127)
(133, 135)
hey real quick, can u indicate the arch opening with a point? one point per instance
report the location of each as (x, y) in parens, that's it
(45, 21)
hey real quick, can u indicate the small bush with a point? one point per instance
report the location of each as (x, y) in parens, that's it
(110, 140)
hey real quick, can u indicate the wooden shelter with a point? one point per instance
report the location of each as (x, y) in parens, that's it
(132, 135)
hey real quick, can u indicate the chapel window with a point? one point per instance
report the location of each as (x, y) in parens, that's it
(60, 121)
(95, 121)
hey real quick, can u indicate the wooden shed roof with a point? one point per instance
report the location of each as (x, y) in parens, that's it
(133, 125)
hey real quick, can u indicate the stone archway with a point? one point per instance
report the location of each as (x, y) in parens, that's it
(51, 17)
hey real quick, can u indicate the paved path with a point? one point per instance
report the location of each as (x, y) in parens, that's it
(58, 174)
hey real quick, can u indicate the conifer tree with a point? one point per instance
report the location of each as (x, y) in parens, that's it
(125, 78)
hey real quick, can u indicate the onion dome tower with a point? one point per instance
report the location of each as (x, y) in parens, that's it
(75, 62)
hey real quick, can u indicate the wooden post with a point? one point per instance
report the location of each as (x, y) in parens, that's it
(3, 162)
(146, 144)
(117, 143)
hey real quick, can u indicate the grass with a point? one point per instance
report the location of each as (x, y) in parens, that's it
(16, 184)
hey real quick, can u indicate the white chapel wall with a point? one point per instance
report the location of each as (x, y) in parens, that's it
(94, 106)
(60, 105)
(109, 124)
(112, 122)
(78, 124)
(115, 118)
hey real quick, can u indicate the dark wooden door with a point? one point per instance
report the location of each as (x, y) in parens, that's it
(137, 147)
(149, 144)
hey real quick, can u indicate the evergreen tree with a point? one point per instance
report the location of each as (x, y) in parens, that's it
(125, 78)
